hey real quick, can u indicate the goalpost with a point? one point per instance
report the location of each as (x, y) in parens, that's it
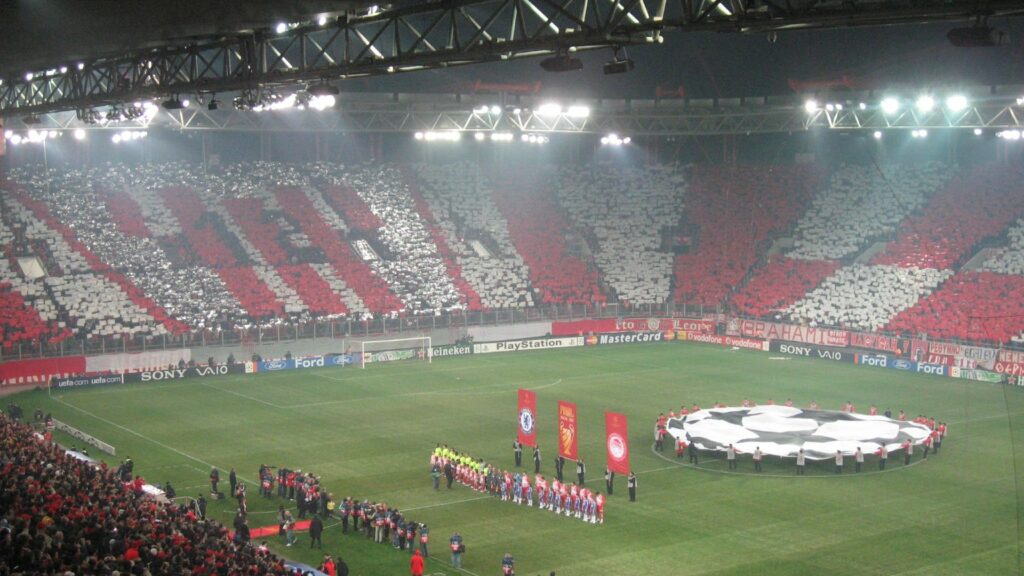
(415, 348)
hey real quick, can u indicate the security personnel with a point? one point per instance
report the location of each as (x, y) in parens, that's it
(517, 449)
(631, 484)
(458, 548)
(214, 480)
(536, 459)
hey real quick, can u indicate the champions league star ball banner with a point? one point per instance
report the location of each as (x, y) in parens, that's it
(527, 417)
(616, 437)
(567, 431)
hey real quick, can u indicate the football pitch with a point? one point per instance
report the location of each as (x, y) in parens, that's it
(368, 434)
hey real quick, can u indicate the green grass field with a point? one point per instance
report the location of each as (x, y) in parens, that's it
(368, 433)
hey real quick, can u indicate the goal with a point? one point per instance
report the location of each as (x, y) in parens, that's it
(416, 348)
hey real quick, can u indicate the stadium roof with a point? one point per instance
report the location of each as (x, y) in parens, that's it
(775, 53)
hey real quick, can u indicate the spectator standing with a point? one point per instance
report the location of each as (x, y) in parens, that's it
(416, 564)
(316, 530)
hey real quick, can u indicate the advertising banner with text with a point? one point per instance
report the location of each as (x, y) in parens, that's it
(733, 341)
(524, 345)
(39, 371)
(832, 354)
(795, 333)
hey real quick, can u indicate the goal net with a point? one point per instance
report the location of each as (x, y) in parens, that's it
(416, 348)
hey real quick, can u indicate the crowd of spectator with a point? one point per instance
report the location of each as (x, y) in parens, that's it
(153, 249)
(459, 197)
(946, 232)
(735, 210)
(862, 204)
(626, 212)
(64, 515)
(865, 297)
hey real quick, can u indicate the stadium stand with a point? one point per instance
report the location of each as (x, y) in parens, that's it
(780, 283)
(414, 268)
(69, 516)
(979, 306)
(541, 235)
(865, 297)
(624, 212)
(460, 200)
(1009, 259)
(736, 209)
(862, 204)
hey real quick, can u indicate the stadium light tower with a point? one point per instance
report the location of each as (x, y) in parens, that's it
(890, 105)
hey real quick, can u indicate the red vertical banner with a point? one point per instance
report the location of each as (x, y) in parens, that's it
(527, 417)
(616, 438)
(568, 434)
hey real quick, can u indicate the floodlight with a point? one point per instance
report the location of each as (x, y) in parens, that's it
(549, 109)
(281, 28)
(116, 138)
(29, 76)
(978, 131)
(16, 139)
(925, 103)
(479, 136)
(418, 135)
(956, 102)
(495, 110)
(322, 20)
(811, 106)
(890, 105)
(578, 112)
(877, 135)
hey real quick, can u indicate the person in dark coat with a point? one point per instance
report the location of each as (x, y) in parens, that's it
(316, 530)
(232, 480)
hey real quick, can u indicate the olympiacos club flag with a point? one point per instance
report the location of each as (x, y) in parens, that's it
(616, 441)
(528, 417)
(567, 432)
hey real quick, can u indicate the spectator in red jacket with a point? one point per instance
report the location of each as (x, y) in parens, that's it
(416, 564)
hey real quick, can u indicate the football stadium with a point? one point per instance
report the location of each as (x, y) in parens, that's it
(527, 287)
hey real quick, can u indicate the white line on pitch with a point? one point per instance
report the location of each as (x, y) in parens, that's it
(446, 503)
(144, 437)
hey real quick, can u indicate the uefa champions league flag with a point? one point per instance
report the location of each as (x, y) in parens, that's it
(616, 438)
(568, 434)
(527, 417)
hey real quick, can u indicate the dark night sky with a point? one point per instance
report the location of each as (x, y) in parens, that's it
(705, 64)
